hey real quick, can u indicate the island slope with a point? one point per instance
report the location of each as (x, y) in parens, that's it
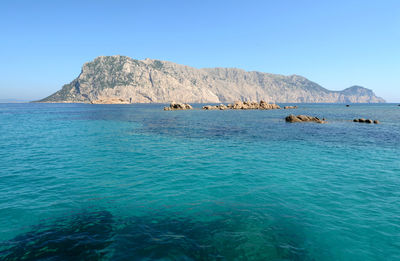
(120, 78)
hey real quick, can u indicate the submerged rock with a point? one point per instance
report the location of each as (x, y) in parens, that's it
(165, 236)
(290, 107)
(303, 118)
(223, 237)
(178, 106)
(84, 236)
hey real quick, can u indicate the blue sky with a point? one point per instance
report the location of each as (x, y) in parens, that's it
(43, 44)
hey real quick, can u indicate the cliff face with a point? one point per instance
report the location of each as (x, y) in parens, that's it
(145, 81)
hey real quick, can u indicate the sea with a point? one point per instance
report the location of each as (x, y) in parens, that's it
(134, 182)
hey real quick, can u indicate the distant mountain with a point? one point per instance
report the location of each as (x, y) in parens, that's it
(120, 78)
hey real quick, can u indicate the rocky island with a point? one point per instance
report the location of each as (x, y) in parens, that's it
(120, 79)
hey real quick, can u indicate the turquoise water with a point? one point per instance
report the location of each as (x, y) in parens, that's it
(133, 182)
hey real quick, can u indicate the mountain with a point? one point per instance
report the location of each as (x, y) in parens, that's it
(146, 81)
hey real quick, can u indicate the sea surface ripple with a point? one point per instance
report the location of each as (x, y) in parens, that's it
(133, 182)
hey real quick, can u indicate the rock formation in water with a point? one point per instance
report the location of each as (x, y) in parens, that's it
(178, 106)
(362, 120)
(303, 118)
(215, 107)
(247, 105)
(119, 79)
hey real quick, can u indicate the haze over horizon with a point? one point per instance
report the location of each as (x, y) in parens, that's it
(336, 45)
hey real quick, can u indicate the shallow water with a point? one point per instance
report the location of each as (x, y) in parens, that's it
(133, 182)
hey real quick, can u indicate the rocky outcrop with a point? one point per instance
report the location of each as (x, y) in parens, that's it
(290, 107)
(362, 120)
(178, 106)
(251, 105)
(154, 81)
(215, 107)
(303, 118)
(247, 105)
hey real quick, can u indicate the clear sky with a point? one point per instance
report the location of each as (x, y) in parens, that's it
(43, 44)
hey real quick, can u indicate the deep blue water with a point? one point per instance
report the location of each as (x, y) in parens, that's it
(134, 182)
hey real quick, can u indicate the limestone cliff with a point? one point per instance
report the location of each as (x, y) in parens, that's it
(145, 81)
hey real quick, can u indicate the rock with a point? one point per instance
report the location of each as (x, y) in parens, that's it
(303, 118)
(268, 106)
(290, 107)
(251, 105)
(178, 106)
(362, 120)
(247, 105)
(222, 107)
(215, 107)
(237, 105)
(209, 107)
(292, 118)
